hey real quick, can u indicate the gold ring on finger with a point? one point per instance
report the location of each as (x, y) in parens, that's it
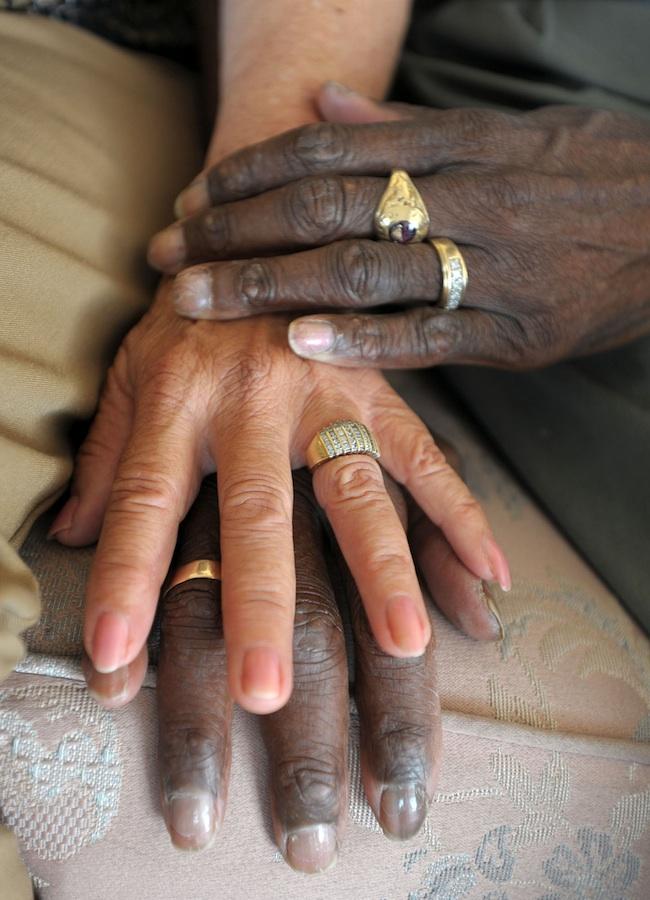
(454, 273)
(198, 568)
(342, 438)
(401, 215)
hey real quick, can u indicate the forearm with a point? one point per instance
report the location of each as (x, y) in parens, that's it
(274, 56)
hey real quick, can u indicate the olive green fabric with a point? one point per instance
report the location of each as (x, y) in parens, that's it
(577, 433)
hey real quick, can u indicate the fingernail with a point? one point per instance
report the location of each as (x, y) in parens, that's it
(337, 88)
(312, 849)
(405, 626)
(494, 613)
(192, 294)
(192, 818)
(167, 249)
(260, 677)
(310, 337)
(110, 642)
(403, 809)
(108, 690)
(500, 571)
(65, 518)
(193, 199)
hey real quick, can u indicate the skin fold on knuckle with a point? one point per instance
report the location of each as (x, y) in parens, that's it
(306, 787)
(190, 755)
(254, 285)
(253, 504)
(355, 271)
(317, 148)
(318, 643)
(350, 484)
(236, 176)
(314, 209)
(209, 234)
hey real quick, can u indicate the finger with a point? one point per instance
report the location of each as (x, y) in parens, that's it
(337, 103)
(422, 336)
(347, 274)
(421, 145)
(352, 493)
(80, 520)
(113, 690)
(194, 706)
(399, 712)
(312, 212)
(464, 599)
(307, 739)
(411, 456)
(256, 503)
(154, 485)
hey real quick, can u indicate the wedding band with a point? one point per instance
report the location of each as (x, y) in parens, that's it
(401, 215)
(454, 273)
(340, 439)
(199, 568)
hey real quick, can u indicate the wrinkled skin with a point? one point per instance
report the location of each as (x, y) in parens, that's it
(186, 398)
(307, 739)
(551, 210)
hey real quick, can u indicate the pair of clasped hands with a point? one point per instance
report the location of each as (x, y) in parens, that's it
(281, 227)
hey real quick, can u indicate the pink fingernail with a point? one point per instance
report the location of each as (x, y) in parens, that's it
(192, 294)
(405, 626)
(193, 199)
(65, 518)
(110, 642)
(167, 249)
(310, 337)
(499, 569)
(261, 676)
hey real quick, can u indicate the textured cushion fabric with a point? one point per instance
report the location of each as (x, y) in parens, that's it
(94, 144)
(545, 785)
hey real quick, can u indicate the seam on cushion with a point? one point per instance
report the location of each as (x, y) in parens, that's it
(598, 746)
(122, 282)
(11, 163)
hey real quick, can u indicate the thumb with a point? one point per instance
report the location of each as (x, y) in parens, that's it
(337, 103)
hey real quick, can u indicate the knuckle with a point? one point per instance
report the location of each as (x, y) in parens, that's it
(188, 747)
(247, 503)
(255, 284)
(212, 232)
(430, 335)
(426, 458)
(235, 176)
(138, 493)
(318, 633)
(356, 269)
(319, 147)
(311, 781)
(315, 207)
(352, 483)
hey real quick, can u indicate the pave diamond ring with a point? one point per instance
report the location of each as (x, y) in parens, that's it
(454, 273)
(340, 439)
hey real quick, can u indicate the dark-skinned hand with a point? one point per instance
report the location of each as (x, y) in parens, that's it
(307, 739)
(550, 208)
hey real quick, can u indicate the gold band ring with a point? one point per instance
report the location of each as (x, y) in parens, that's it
(401, 215)
(340, 439)
(198, 568)
(454, 273)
